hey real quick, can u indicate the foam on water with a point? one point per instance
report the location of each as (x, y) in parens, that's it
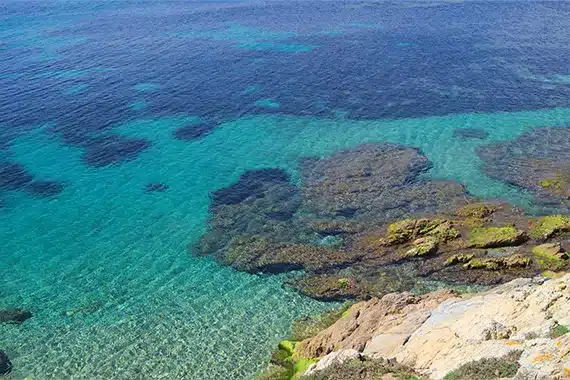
(105, 268)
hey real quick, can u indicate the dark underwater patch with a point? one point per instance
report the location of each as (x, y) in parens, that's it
(194, 132)
(14, 176)
(538, 161)
(44, 188)
(113, 149)
(251, 184)
(155, 187)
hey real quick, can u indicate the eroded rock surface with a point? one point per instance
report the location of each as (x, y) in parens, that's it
(438, 333)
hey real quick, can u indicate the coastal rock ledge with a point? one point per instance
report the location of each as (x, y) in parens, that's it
(442, 332)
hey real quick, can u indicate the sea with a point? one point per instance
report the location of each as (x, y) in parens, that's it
(120, 118)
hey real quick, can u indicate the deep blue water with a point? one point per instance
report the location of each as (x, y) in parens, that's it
(100, 101)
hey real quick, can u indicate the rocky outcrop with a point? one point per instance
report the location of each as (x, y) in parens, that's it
(442, 332)
(5, 364)
(14, 315)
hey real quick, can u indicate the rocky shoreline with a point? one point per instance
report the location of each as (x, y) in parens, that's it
(367, 225)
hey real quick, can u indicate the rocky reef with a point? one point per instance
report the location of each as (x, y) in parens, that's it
(538, 161)
(366, 222)
(517, 331)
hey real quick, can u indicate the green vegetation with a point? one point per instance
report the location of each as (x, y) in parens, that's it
(487, 264)
(408, 229)
(559, 330)
(476, 211)
(487, 369)
(548, 226)
(491, 237)
(425, 247)
(458, 259)
(286, 364)
(362, 369)
(550, 256)
(556, 183)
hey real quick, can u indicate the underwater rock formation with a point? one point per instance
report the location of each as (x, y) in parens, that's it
(442, 333)
(13, 176)
(364, 224)
(252, 215)
(538, 161)
(5, 364)
(44, 188)
(14, 315)
(470, 133)
(113, 149)
(155, 187)
(374, 183)
(194, 131)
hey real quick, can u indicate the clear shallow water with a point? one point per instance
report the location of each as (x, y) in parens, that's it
(104, 265)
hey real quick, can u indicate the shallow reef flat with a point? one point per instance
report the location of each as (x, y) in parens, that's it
(365, 222)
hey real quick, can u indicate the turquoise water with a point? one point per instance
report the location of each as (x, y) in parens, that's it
(105, 268)
(91, 99)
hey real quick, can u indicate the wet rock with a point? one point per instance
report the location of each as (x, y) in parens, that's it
(550, 256)
(491, 237)
(422, 247)
(549, 226)
(113, 150)
(14, 315)
(538, 161)
(470, 133)
(328, 287)
(5, 364)
(194, 131)
(156, 187)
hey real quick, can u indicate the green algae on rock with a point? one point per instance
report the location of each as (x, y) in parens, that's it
(491, 237)
(549, 226)
(550, 256)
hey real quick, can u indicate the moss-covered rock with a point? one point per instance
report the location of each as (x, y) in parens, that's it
(422, 247)
(492, 237)
(549, 226)
(477, 211)
(496, 263)
(550, 256)
(458, 259)
(409, 229)
(292, 364)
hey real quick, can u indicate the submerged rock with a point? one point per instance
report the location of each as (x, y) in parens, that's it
(441, 332)
(155, 187)
(5, 364)
(374, 183)
(14, 315)
(538, 161)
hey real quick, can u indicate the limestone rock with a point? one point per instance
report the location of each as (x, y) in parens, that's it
(440, 332)
(334, 357)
